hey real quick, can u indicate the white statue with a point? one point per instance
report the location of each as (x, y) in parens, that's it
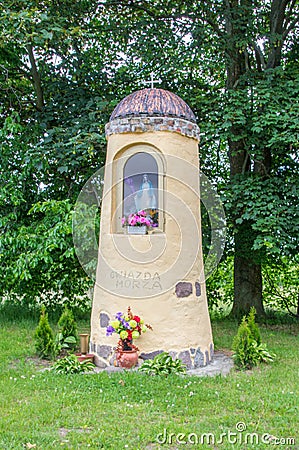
(145, 198)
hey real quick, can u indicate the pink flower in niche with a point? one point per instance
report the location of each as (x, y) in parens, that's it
(138, 219)
(132, 221)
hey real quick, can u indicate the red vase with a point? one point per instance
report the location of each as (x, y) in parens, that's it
(127, 358)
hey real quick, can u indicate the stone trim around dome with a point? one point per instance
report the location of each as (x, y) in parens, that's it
(152, 124)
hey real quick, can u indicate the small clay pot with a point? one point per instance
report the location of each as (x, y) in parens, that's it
(127, 358)
(86, 357)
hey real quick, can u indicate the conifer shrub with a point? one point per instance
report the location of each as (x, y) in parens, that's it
(44, 339)
(254, 329)
(243, 357)
(67, 324)
(247, 346)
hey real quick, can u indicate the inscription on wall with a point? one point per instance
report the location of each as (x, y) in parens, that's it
(136, 280)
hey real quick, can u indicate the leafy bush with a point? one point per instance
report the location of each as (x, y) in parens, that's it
(262, 352)
(220, 288)
(44, 340)
(61, 343)
(70, 364)
(163, 364)
(249, 351)
(38, 255)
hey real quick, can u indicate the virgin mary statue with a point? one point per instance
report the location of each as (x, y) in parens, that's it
(145, 198)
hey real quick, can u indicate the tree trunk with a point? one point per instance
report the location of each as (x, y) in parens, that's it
(36, 80)
(247, 276)
(248, 287)
(247, 268)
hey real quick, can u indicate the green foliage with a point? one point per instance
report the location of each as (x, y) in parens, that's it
(220, 287)
(88, 56)
(247, 346)
(163, 364)
(44, 340)
(39, 253)
(41, 402)
(269, 208)
(67, 324)
(280, 293)
(262, 353)
(61, 343)
(282, 284)
(244, 356)
(70, 364)
(253, 327)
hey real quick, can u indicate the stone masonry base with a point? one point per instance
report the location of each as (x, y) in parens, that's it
(193, 358)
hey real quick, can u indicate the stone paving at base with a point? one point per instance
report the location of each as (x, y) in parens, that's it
(222, 364)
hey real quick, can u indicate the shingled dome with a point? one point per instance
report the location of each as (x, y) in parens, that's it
(153, 102)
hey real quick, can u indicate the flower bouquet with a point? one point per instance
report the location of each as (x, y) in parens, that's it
(128, 327)
(138, 219)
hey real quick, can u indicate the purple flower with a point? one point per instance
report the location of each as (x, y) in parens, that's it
(118, 315)
(124, 323)
(109, 330)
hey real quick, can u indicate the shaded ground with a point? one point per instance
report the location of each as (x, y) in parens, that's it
(222, 364)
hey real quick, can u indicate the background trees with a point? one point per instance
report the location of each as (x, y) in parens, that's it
(65, 65)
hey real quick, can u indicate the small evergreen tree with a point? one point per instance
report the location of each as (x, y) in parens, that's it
(254, 329)
(67, 324)
(44, 340)
(247, 346)
(244, 357)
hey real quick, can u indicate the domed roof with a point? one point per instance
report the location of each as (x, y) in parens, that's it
(153, 102)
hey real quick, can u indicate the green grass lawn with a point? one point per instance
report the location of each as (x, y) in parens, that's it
(133, 411)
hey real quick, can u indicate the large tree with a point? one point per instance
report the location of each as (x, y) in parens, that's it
(236, 63)
(53, 110)
(65, 65)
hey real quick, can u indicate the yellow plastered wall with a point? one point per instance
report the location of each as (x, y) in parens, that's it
(142, 271)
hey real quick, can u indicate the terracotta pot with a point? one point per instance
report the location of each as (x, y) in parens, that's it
(86, 357)
(127, 358)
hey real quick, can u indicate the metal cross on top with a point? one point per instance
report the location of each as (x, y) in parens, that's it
(152, 81)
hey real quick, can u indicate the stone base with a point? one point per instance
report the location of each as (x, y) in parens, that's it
(193, 358)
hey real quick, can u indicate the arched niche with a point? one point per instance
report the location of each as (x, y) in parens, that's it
(138, 183)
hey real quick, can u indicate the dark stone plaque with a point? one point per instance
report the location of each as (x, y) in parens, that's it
(197, 289)
(104, 350)
(104, 320)
(183, 289)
